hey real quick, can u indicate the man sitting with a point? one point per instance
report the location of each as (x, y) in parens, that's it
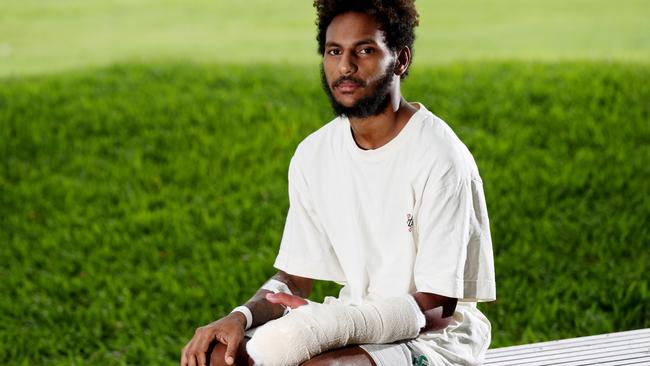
(384, 199)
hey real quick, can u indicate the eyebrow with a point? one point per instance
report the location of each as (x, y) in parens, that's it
(357, 44)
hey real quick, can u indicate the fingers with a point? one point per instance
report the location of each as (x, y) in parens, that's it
(202, 358)
(291, 301)
(231, 350)
(183, 357)
(187, 356)
(228, 331)
(191, 358)
(194, 352)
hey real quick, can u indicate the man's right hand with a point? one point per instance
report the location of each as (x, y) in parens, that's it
(228, 330)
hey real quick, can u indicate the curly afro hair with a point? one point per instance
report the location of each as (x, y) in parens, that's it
(397, 18)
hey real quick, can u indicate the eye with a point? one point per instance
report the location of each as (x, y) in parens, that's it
(333, 52)
(366, 51)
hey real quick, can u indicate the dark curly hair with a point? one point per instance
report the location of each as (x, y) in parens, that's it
(397, 18)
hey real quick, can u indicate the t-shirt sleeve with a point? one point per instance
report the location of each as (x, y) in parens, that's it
(305, 250)
(455, 256)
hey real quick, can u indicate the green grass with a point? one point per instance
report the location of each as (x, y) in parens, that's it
(139, 202)
(39, 36)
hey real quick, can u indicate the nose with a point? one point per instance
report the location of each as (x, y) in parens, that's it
(347, 65)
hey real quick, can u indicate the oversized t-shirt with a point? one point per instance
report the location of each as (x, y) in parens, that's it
(408, 216)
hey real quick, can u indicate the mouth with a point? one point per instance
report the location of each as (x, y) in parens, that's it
(347, 86)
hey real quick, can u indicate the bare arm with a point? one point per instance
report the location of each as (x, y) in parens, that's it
(437, 309)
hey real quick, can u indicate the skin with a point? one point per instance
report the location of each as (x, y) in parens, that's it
(355, 49)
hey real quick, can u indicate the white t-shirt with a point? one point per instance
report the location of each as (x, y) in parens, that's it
(408, 216)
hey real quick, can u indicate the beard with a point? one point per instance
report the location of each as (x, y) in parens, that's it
(368, 106)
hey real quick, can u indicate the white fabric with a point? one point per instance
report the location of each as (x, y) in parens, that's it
(247, 314)
(315, 328)
(276, 286)
(408, 216)
(421, 320)
(393, 354)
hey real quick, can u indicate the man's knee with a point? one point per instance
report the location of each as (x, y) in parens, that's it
(216, 355)
(321, 361)
(348, 356)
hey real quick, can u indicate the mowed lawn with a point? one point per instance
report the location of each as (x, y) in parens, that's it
(44, 36)
(138, 202)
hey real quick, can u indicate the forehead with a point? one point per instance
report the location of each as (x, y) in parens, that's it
(351, 27)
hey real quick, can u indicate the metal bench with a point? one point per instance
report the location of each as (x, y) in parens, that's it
(622, 348)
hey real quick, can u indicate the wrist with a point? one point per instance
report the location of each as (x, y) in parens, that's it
(239, 318)
(243, 316)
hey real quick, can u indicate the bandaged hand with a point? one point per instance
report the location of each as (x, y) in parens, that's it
(315, 328)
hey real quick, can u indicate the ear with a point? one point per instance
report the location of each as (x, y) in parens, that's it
(403, 61)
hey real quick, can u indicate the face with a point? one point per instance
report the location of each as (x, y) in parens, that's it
(358, 67)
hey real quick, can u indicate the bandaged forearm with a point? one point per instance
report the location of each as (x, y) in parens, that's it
(315, 328)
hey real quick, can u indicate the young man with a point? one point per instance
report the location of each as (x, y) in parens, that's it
(384, 199)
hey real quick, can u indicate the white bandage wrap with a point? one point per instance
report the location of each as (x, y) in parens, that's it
(247, 313)
(422, 321)
(276, 286)
(315, 328)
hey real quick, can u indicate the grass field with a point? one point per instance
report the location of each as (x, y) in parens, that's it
(38, 36)
(138, 202)
(143, 199)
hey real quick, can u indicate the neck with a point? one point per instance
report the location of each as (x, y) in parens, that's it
(376, 131)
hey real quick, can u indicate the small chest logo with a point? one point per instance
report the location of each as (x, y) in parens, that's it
(409, 221)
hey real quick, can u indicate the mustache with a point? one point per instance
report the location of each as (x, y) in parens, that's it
(349, 79)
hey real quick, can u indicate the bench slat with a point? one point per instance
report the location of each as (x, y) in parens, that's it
(621, 348)
(587, 339)
(639, 345)
(593, 361)
(645, 360)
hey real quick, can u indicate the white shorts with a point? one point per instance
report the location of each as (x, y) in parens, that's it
(464, 342)
(397, 354)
